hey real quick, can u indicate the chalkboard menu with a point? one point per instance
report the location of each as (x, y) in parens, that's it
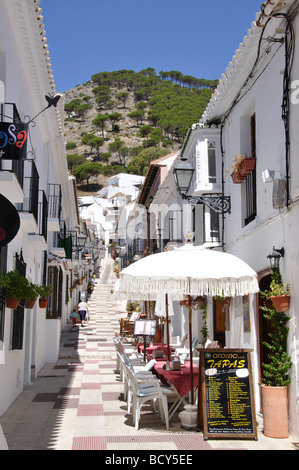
(228, 401)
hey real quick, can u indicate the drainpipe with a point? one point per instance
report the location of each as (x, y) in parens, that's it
(222, 183)
(270, 10)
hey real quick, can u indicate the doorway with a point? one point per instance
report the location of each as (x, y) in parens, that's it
(264, 324)
(219, 323)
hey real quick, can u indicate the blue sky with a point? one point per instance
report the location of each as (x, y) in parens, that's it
(196, 37)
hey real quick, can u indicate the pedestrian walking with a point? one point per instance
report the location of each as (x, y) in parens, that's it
(83, 308)
(74, 317)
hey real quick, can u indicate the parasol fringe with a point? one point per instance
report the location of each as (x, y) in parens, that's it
(148, 289)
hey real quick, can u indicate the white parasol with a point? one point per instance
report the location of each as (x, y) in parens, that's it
(188, 270)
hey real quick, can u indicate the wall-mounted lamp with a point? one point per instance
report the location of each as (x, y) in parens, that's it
(79, 243)
(274, 257)
(81, 240)
(183, 174)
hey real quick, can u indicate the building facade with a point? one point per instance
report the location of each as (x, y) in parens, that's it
(254, 113)
(37, 187)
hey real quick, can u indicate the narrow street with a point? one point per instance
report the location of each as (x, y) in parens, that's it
(77, 403)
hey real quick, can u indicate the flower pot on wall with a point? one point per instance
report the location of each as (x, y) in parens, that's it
(226, 303)
(275, 411)
(237, 178)
(246, 166)
(281, 302)
(30, 303)
(43, 303)
(12, 303)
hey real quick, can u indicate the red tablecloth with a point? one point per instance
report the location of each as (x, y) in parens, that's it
(180, 379)
(153, 347)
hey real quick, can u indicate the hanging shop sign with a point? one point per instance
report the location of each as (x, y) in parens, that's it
(228, 400)
(9, 221)
(13, 140)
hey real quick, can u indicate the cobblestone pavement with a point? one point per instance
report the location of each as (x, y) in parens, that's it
(77, 403)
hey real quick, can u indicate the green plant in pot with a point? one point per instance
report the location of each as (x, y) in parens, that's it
(30, 294)
(204, 330)
(44, 292)
(15, 285)
(276, 369)
(279, 293)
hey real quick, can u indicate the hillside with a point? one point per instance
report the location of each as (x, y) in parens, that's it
(120, 121)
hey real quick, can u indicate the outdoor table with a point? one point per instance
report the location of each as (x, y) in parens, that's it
(153, 347)
(180, 379)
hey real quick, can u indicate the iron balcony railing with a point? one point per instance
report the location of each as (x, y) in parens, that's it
(42, 214)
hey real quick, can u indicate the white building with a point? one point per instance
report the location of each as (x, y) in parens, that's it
(104, 209)
(43, 193)
(254, 111)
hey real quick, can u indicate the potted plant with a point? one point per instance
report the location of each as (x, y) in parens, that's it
(44, 292)
(15, 285)
(242, 166)
(275, 372)
(279, 293)
(204, 330)
(225, 301)
(247, 165)
(30, 295)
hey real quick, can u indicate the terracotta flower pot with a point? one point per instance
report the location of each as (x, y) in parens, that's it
(237, 178)
(246, 166)
(225, 303)
(12, 303)
(275, 411)
(30, 303)
(281, 303)
(43, 303)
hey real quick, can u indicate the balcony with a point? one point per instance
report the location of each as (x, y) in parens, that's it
(28, 209)
(11, 180)
(39, 238)
(33, 211)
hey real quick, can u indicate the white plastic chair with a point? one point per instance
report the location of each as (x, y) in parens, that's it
(186, 349)
(129, 350)
(139, 370)
(149, 389)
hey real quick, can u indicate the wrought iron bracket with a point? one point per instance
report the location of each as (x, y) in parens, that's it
(218, 203)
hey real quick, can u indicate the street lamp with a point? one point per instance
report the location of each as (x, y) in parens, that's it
(274, 257)
(183, 174)
(81, 239)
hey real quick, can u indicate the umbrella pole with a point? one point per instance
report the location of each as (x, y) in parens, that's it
(190, 345)
(167, 328)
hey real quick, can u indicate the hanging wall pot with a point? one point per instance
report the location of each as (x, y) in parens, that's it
(9, 221)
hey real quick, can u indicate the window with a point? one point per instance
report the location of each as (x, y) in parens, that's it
(55, 279)
(206, 225)
(206, 151)
(212, 162)
(175, 226)
(251, 179)
(211, 219)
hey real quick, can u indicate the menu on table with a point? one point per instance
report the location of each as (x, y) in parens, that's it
(228, 402)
